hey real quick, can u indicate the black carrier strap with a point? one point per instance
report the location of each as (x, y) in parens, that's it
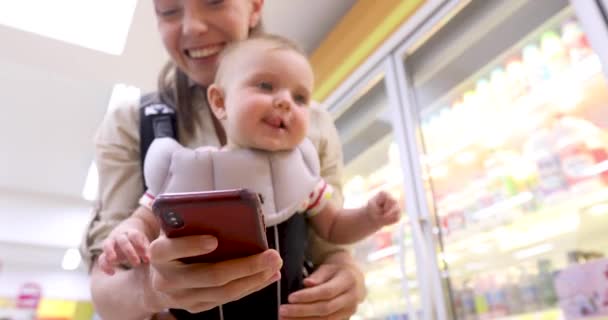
(157, 120)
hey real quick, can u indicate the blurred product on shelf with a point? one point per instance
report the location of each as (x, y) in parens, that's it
(535, 173)
(515, 166)
(583, 301)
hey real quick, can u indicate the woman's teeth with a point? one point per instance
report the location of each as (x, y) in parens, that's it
(204, 53)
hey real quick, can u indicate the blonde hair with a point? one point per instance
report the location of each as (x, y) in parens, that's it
(272, 42)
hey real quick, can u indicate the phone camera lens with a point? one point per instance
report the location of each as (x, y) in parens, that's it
(173, 219)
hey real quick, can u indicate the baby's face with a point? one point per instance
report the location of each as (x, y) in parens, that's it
(267, 96)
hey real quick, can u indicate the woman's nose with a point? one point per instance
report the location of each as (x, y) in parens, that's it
(195, 20)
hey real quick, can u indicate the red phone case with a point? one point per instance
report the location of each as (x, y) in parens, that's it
(234, 217)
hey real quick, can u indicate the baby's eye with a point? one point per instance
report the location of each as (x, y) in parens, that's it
(266, 86)
(300, 99)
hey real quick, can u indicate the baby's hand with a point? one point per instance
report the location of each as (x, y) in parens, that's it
(124, 246)
(383, 209)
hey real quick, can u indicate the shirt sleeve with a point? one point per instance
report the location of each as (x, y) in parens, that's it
(117, 158)
(318, 198)
(147, 200)
(324, 135)
(327, 141)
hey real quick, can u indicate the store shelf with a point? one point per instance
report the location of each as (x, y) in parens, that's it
(536, 106)
(561, 222)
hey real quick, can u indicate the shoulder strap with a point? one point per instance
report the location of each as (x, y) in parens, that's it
(157, 120)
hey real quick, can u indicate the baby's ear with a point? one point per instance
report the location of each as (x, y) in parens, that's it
(215, 96)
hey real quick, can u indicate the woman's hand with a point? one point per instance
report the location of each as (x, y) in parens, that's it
(333, 291)
(203, 286)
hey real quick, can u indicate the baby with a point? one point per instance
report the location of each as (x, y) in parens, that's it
(261, 95)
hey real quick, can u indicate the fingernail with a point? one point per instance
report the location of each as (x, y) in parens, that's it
(209, 242)
(292, 298)
(276, 277)
(272, 259)
(283, 311)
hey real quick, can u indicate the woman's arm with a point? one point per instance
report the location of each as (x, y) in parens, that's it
(117, 158)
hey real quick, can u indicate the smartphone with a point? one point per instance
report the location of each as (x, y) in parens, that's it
(234, 217)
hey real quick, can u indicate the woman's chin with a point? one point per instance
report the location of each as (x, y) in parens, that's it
(201, 74)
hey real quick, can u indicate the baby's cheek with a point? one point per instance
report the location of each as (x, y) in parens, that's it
(305, 124)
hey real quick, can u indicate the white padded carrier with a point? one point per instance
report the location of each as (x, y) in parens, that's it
(285, 179)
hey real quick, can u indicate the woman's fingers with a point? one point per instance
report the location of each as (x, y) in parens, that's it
(334, 298)
(321, 275)
(328, 309)
(201, 286)
(329, 284)
(203, 275)
(226, 271)
(204, 298)
(163, 249)
(344, 314)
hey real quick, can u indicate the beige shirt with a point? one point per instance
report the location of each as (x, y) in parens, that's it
(120, 178)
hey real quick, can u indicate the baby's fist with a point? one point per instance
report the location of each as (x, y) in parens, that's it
(383, 209)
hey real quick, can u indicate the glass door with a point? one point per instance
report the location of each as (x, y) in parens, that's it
(511, 112)
(372, 163)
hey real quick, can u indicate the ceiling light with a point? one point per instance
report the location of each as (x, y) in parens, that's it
(101, 25)
(89, 192)
(71, 260)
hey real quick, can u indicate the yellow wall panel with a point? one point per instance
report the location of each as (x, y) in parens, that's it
(55, 308)
(360, 32)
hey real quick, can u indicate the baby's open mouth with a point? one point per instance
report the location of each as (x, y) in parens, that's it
(276, 123)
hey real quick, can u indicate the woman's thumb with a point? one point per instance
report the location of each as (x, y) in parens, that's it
(321, 275)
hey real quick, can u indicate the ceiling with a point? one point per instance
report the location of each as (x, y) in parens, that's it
(55, 95)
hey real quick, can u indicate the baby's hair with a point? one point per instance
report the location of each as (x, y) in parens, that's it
(274, 42)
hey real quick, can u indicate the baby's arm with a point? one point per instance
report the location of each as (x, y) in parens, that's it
(343, 226)
(129, 241)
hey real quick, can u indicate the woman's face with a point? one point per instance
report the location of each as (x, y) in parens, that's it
(194, 32)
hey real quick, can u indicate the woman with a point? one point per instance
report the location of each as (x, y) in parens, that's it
(194, 32)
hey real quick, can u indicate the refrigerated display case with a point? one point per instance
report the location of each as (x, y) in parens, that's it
(510, 109)
(372, 163)
(495, 115)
